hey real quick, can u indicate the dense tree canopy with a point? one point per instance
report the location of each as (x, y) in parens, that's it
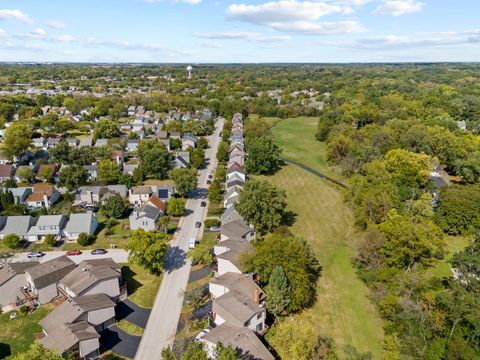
(155, 159)
(148, 249)
(263, 155)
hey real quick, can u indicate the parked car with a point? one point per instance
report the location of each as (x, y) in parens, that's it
(209, 182)
(73, 252)
(210, 176)
(198, 224)
(215, 229)
(191, 243)
(201, 334)
(99, 252)
(36, 254)
(203, 204)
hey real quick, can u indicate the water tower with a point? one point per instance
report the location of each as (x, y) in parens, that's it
(189, 70)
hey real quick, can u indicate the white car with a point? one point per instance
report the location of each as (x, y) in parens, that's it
(191, 243)
(201, 334)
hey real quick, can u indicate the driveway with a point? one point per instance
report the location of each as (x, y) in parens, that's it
(200, 274)
(132, 313)
(162, 324)
(119, 342)
(118, 255)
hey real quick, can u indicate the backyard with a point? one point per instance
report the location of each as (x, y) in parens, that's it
(142, 286)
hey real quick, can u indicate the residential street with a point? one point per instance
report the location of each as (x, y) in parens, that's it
(118, 255)
(163, 321)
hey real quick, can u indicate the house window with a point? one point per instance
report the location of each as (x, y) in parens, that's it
(259, 316)
(259, 327)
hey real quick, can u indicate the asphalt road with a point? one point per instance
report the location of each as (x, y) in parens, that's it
(162, 323)
(118, 255)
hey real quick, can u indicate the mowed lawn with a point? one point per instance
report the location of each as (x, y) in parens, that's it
(343, 311)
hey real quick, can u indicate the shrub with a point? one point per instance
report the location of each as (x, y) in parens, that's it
(50, 240)
(85, 239)
(23, 309)
(12, 241)
(212, 222)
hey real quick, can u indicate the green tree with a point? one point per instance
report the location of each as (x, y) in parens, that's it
(25, 173)
(45, 173)
(106, 129)
(16, 140)
(467, 263)
(12, 241)
(263, 155)
(85, 239)
(108, 171)
(72, 177)
(155, 159)
(262, 205)
(202, 253)
(215, 191)
(50, 240)
(278, 291)
(38, 352)
(298, 262)
(60, 153)
(223, 352)
(197, 158)
(117, 111)
(222, 152)
(148, 249)
(185, 180)
(176, 207)
(194, 351)
(469, 168)
(113, 207)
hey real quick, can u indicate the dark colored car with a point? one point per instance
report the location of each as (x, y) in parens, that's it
(203, 204)
(73, 252)
(209, 182)
(198, 224)
(99, 252)
(36, 254)
(210, 176)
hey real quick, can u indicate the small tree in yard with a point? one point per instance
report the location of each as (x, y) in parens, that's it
(12, 241)
(85, 239)
(176, 207)
(278, 291)
(148, 249)
(113, 207)
(50, 240)
(202, 254)
(185, 180)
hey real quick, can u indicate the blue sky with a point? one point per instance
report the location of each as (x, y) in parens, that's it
(246, 31)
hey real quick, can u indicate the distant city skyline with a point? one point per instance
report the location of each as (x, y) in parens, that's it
(240, 31)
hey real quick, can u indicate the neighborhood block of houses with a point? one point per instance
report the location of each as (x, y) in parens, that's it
(238, 312)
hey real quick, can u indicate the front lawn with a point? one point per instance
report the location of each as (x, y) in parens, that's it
(130, 328)
(16, 335)
(142, 286)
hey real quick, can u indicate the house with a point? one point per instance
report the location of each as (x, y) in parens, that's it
(139, 195)
(235, 180)
(79, 337)
(146, 217)
(98, 310)
(236, 169)
(181, 159)
(175, 135)
(85, 141)
(228, 254)
(231, 214)
(132, 145)
(438, 179)
(167, 143)
(39, 143)
(42, 279)
(47, 225)
(129, 169)
(92, 171)
(164, 192)
(236, 158)
(52, 142)
(101, 142)
(20, 194)
(237, 230)
(90, 196)
(462, 125)
(231, 196)
(12, 279)
(118, 157)
(6, 172)
(4, 160)
(242, 339)
(42, 196)
(18, 225)
(100, 277)
(131, 110)
(189, 141)
(43, 169)
(72, 142)
(80, 223)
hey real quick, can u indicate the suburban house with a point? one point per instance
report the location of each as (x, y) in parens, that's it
(72, 142)
(132, 145)
(85, 141)
(80, 223)
(146, 216)
(47, 225)
(6, 172)
(98, 311)
(101, 142)
(39, 143)
(42, 279)
(18, 225)
(163, 192)
(20, 194)
(128, 169)
(42, 196)
(139, 195)
(231, 214)
(237, 230)
(181, 159)
(89, 278)
(12, 279)
(236, 169)
(228, 255)
(92, 171)
(189, 141)
(242, 339)
(92, 196)
(235, 180)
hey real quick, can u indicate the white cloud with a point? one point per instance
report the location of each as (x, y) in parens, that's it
(398, 7)
(284, 11)
(242, 35)
(3, 34)
(54, 24)
(320, 28)
(14, 14)
(210, 44)
(38, 32)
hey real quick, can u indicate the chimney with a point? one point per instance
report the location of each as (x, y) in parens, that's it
(257, 296)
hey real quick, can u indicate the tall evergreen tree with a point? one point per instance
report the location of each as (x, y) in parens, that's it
(278, 291)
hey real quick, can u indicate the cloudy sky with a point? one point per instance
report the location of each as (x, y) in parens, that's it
(239, 30)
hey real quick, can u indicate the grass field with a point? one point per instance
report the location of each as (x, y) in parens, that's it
(16, 335)
(453, 244)
(343, 311)
(142, 286)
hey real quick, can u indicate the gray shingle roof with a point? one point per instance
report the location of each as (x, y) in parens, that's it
(51, 271)
(9, 270)
(79, 223)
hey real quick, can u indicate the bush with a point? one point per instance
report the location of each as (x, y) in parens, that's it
(50, 240)
(12, 241)
(176, 207)
(212, 222)
(23, 309)
(202, 253)
(85, 239)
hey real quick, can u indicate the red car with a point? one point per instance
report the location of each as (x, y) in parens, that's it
(73, 252)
